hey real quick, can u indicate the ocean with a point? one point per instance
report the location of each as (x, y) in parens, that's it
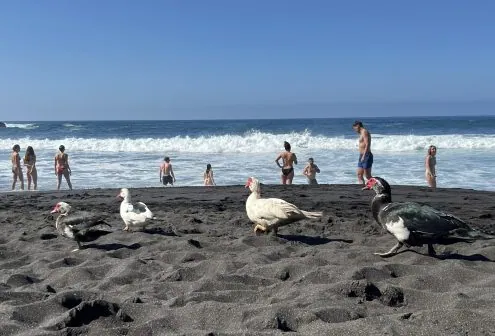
(115, 154)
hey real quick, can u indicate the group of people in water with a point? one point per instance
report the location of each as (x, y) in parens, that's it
(364, 164)
(61, 167)
(167, 176)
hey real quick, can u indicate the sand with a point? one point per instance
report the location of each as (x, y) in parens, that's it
(198, 269)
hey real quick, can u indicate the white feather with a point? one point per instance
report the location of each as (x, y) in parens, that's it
(133, 214)
(398, 229)
(273, 211)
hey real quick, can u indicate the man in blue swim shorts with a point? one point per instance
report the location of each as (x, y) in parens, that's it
(365, 161)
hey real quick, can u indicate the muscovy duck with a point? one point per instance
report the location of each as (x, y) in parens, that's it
(268, 214)
(133, 215)
(72, 226)
(415, 224)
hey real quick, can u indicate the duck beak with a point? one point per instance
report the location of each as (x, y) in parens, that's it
(365, 188)
(54, 210)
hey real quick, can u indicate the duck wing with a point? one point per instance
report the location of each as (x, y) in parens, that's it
(84, 220)
(423, 221)
(275, 208)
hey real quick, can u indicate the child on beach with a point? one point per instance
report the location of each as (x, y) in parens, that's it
(208, 176)
(430, 163)
(31, 172)
(310, 172)
(16, 167)
(166, 172)
(62, 167)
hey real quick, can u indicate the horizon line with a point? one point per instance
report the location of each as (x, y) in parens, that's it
(246, 119)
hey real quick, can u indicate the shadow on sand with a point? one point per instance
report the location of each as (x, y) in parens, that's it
(309, 240)
(451, 256)
(161, 231)
(112, 247)
(92, 235)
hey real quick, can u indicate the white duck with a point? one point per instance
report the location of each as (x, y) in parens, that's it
(133, 215)
(72, 227)
(270, 213)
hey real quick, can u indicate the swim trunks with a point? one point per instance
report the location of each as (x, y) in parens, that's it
(367, 162)
(287, 171)
(312, 181)
(167, 179)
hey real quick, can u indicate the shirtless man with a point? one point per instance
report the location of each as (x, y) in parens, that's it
(310, 172)
(62, 167)
(365, 156)
(288, 160)
(16, 167)
(166, 172)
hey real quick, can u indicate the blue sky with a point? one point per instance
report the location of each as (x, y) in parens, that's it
(185, 59)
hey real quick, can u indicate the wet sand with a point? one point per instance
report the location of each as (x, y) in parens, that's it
(199, 269)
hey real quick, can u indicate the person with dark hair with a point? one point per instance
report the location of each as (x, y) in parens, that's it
(31, 172)
(310, 172)
(288, 160)
(365, 161)
(208, 176)
(62, 167)
(166, 172)
(16, 167)
(430, 163)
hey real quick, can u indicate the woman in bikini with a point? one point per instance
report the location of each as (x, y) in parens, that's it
(62, 167)
(430, 163)
(16, 167)
(30, 163)
(288, 160)
(208, 176)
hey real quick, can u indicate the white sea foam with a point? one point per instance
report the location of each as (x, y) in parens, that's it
(257, 142)
(24, 126)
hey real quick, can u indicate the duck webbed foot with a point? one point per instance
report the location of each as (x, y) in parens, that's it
(258, 228)
(392, 251)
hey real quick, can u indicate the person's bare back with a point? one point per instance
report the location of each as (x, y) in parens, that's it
(288, 161)
(167, 172)
(166, 167)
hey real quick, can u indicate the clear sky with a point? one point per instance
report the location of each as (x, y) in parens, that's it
(201, 59)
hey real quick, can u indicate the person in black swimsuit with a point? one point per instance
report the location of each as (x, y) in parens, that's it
(288, 160)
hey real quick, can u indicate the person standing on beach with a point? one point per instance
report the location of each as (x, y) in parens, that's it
(310, 172)
(166, 172)
(208, 176)
(31, 172)
(365, 161)
(288, 160)
(16, 167)
(62, 167)
(430, 163)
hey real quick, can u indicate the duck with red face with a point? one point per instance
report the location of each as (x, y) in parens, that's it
(415, 224)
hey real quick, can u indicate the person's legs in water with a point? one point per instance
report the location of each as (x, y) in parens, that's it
(67, 178)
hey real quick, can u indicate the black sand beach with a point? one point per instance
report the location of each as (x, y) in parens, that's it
(199, 269)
